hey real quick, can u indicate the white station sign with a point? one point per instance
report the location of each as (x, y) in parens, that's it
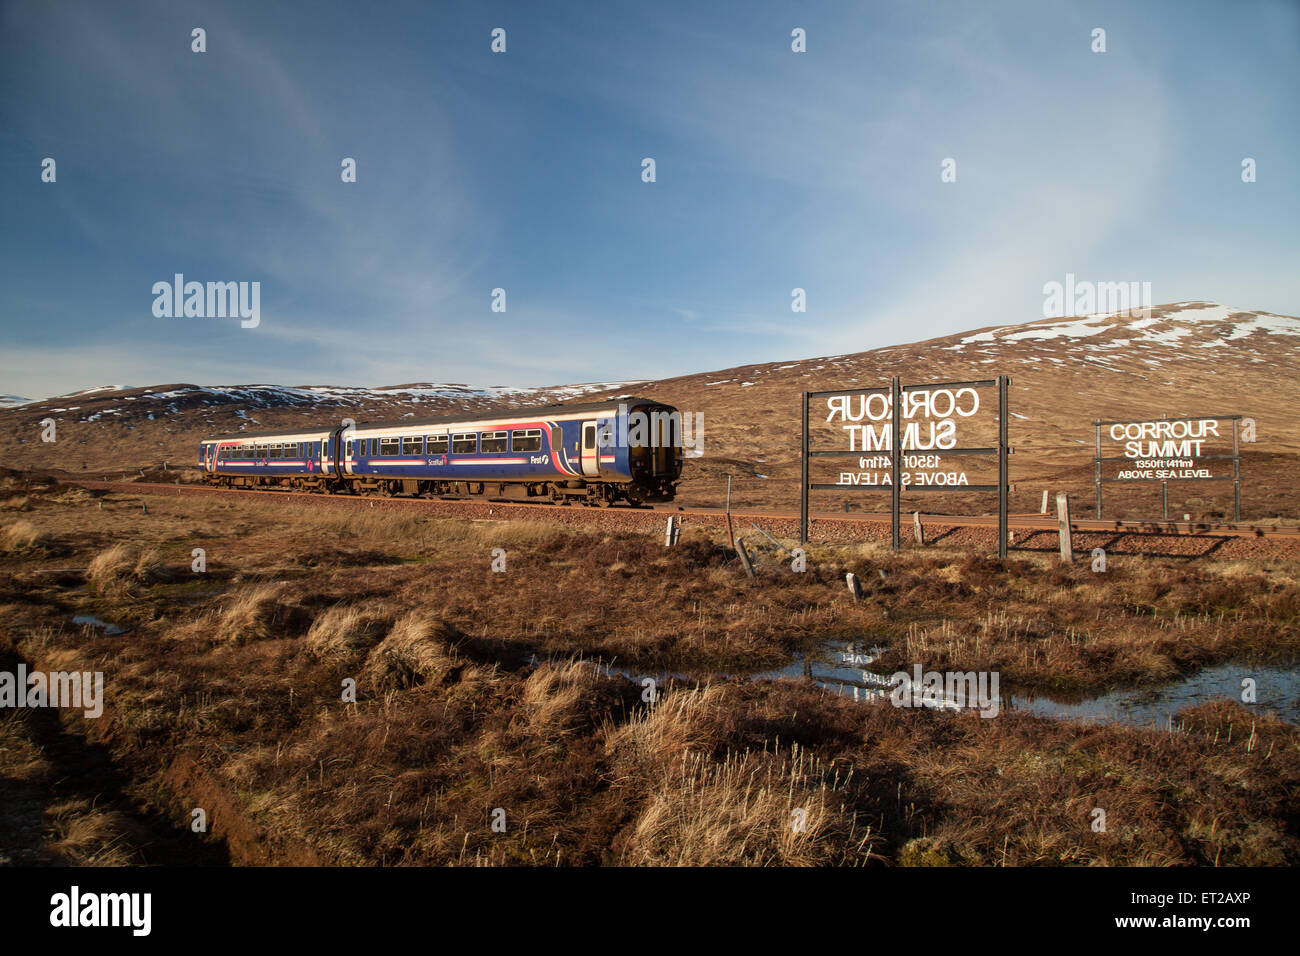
(929, 425)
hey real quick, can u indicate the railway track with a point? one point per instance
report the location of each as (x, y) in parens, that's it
(452, 506)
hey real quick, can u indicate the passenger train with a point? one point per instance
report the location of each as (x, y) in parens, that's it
(629, 449)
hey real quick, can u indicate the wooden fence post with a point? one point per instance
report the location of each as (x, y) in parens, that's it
(744, 557)
(672, 533)
(731, 536)
(1063, 521)
(917, 531)
(855, 586)
(1044, 511)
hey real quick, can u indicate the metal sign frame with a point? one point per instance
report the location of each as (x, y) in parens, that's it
(1235, 458)
(895, 391)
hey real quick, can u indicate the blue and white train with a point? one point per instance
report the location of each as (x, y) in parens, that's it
(628, 449)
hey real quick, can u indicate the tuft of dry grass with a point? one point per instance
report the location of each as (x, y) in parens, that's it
(118, 569)
(343, 630)
(84, 835)
(417, 650)
(22, 536)
(753, 809)
(554, 695)
(257, 613)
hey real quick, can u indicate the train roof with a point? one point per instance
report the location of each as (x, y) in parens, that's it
(539, 411)
(282, 433)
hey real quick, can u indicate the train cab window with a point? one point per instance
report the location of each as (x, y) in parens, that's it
(526, 439)
(493, 442)
(389, 446)
(464, 444)
(411, 445)
(437, 444)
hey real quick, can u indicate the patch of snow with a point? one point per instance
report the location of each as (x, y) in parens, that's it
(1078, 329)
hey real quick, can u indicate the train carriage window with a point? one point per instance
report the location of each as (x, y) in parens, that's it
(274, 451)
(493, 442)
(437, 444)
(411, 445)
(389, 446)
(464, 444)
(526, 439)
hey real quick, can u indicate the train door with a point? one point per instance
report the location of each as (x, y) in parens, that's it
(590, 450)
(210, 452)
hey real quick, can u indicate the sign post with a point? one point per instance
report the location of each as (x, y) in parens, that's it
(1003, 478)
(1169, 449)
(803, 475)
(895, 465)
(943, 406)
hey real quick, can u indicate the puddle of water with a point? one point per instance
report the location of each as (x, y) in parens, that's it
(110, 630)
(842, 669)
(1277, 690)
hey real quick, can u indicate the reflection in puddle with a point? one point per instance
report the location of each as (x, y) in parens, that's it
(110, 630)
(842, 668)
(1277, 690)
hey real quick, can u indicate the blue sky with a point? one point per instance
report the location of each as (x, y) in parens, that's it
(522, 171)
